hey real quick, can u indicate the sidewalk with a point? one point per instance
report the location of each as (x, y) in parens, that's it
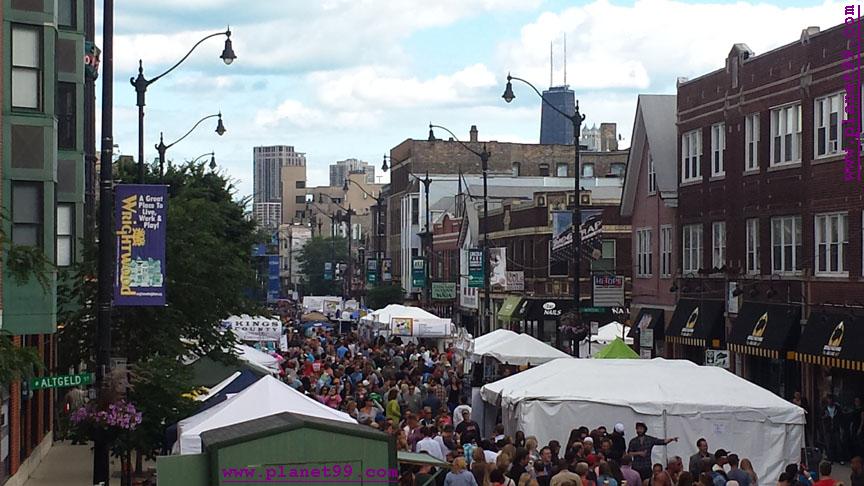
(71, 465)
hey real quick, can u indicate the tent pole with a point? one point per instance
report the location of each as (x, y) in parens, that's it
(665, 435)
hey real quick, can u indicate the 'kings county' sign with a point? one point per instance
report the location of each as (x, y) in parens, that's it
(41, 382)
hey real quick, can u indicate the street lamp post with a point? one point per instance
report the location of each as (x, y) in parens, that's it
(212, 159)
(484, 225)
(378, 213)
(162, 148)
(576, 119)
(343, 218)
(426, 238)
(141, 84)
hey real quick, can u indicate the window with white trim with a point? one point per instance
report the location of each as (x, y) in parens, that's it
(786, 135)
(751, 142)
(691, 156)
(561, 169)
(665, 251)
(832, 243)
(26, 67)
(718, 244)
(786, 245)
(643, 255)
(752, 237)
(718, 147)
(65, 234)
(828, 114)
(652, 176)
(691, 249)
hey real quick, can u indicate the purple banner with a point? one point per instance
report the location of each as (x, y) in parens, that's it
(141, 212)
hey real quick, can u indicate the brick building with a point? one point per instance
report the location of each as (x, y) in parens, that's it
(764, 207)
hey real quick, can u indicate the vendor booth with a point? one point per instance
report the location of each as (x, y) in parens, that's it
(255, 329)
(675, 398)
(401, 321)
(605, 335)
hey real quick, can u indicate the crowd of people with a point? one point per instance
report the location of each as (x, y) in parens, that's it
(420, 396)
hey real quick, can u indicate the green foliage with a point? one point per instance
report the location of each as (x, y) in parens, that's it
(16, 362)
(384, 295)
(312, 257)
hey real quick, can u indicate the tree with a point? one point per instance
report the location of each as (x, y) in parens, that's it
(384, 295)
(312, 257)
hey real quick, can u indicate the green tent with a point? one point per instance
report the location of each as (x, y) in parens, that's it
(617, 349)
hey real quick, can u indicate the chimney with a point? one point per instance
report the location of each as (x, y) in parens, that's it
(608, 137)
(473, 133)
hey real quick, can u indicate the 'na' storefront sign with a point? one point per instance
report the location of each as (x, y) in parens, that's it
(140, 217)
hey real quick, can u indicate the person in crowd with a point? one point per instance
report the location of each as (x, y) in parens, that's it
(468, 430)
(427, 419)
(619, 444)
(705, 479)
(736, 473)
(519, 466)
(460, 410)
(785, 480)
(565, 475)
(856, 426)
(531, 446)
(446, 439)
(497, 478)
(366, 414)
(640, 449)
(394, 411)
(519, 439)
(459, 474)
(604, 476)
(584, 472)
(685, 479)
(555, 447)
(545, 460)
(696, 465)
(857, 476)
(674, 467)
(629, 474)
(479, 467)
(747, 467)
(538, 472)
(825, 478)
(588, 445)
(502, 465)
(718, 473)
(832, 430)
(429, 445)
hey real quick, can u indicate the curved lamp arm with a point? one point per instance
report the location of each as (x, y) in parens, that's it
(227, 33)
(333, 202)
(508, 97)
(196, 126)
(202, 156)
(431, 126)
(361, 188)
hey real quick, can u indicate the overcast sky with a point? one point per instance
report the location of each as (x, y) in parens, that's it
(354, 78)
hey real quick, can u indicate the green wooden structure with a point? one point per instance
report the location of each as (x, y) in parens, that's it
(285, 447)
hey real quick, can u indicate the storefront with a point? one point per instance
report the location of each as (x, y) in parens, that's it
(696, 325)
(650, 325)
(765, 335)
(542, 318)
(507, 310)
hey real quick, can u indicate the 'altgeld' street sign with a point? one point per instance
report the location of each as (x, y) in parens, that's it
(41, 382)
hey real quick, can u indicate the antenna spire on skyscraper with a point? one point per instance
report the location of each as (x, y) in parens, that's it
(551, 64)
(565, 58)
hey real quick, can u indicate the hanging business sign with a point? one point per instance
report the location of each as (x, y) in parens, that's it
(418, 272)
(498, 269)
(328, 271)
(475, 268)
(608, 290)
(258, 328)
(386, 270)
(443, 290)
(515, 281)
(140, 219)
(371, 271)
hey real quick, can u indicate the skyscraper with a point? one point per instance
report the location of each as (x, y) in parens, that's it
(554, 128)
(340, 170)
(269, 163)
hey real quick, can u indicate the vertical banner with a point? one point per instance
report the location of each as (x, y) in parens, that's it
(498, 269)
(274, 283)
(386, 270)
(475, 268)
(371, 271)
(592, 230)
(561, 248)
(141, 213)
(328, 270)
(418, 272)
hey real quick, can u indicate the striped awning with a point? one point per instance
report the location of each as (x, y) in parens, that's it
(833, 338)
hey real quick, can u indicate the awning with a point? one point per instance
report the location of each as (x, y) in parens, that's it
(696, 323)
(766, 330)
(649, 318)
(544, 309)
(511, 303)
(833, 338)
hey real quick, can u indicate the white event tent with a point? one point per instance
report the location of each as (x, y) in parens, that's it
(675, 398)
(257, 359)
(604, 336)
(266, 396)
(425, 324)
(513, 348)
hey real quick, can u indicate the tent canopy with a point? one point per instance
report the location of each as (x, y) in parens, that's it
(511, 348)
(610, 332)
(383, 316)
(265, 397)
(313, 317)
(617, 349)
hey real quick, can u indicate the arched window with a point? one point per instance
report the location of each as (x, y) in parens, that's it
(587, 170)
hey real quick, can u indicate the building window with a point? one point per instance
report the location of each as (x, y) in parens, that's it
(606, 263)
(753, 245)
(786, 246)
(643, 256)
(618, 170)
(26, 67)
(544, 170)
(652, 176)
(718, 147)
(587, 170)
(561, 169)
(691, 156)
(718, 245)
(786, 135)
(828, 114)
(691, 250)
(65, 234)
(665, 251)
(516, 168)
(66, 114)
(751, 142)
(27, 213)
(300, 185)
(832, 243)
(415, 210)
(66, 14)
(300, 199)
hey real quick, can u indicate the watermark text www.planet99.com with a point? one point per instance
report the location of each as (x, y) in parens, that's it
(852, 81)
(297, 474)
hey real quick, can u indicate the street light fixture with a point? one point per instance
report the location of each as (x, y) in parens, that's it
(343, 218)
(384, 165)
(380, 252)
(212, 159)
(484, 165)
(141, 84)
(576, 119)
(162, 148)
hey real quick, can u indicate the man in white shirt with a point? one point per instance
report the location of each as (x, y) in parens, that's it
(457, 412)
(430, 446)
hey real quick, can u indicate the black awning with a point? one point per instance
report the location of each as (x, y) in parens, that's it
(648, 318)
(766, 330)
(696, 322)
(543, 309)
(833, 338)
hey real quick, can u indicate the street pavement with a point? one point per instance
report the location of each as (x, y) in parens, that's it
(71, 465)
